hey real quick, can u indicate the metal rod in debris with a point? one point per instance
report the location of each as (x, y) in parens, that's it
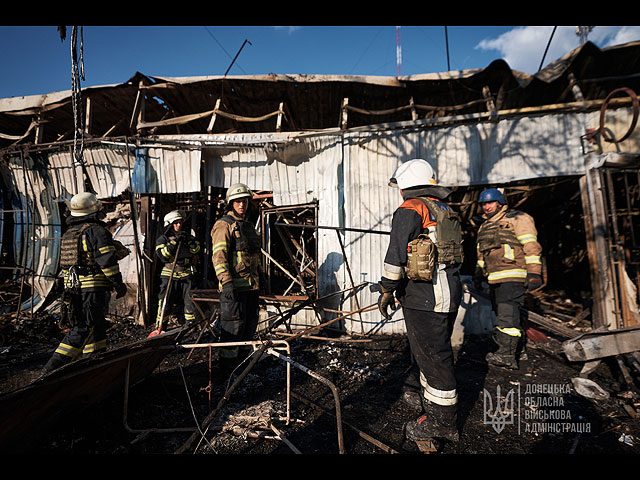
(321, 379)
(341, 229)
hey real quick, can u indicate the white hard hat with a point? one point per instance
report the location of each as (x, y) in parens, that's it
(84, 203)
(236, 191)
(173, 216)
(413, 173)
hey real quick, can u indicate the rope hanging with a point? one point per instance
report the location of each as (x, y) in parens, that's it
(76, 97)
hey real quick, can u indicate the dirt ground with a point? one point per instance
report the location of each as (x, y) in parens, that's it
(546, 414)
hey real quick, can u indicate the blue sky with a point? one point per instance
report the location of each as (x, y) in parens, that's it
(39, 62)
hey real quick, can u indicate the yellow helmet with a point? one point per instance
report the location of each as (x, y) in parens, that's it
(84, 203)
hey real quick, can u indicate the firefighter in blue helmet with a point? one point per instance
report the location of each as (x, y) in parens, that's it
(509, 259)
(421, 268)
(89, 262)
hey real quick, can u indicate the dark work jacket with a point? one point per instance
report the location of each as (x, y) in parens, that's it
(97, 246)
(444, 293)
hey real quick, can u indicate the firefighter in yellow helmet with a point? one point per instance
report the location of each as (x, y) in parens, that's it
(236, 261)
(509, 258)
(176, 244)
(421, 267)
(89, 262)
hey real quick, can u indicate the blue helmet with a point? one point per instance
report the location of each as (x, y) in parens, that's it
(491, 195)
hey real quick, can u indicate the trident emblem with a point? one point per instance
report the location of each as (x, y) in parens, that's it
(502, 414)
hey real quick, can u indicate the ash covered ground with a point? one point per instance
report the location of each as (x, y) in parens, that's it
(368, 374)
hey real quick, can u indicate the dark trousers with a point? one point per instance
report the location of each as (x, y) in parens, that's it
(506, 300)
(429, 336)
(88, 332)
(180, 294)
(238, 321)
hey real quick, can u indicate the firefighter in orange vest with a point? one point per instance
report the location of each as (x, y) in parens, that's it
(509, 259)
(422, 268)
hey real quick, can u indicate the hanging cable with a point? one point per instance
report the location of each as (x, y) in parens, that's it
(76, 96)
(446, 41)
(547, 49)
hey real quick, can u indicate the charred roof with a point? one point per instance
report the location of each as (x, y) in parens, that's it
(249, 104)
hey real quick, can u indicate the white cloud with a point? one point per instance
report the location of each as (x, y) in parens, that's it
(523, 47)
(290, 29)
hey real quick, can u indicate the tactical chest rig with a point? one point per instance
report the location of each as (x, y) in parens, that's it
(72, 257)
(245, 244)
(493, 235)
(422, 253)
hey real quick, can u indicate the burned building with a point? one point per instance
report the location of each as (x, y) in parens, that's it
(318, 152)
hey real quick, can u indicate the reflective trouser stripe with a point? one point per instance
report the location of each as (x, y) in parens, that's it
(511, 331)
(68, 350)
(95, 347)
(439, 397)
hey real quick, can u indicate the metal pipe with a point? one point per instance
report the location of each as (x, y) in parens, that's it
(126, 409)
(333, 388)
(224, 398)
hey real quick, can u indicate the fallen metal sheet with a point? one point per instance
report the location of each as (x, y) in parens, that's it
(600, 344)
(37, 228)
(29, 411)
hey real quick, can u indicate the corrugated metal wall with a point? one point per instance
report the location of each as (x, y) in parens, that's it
(348, 174)
(511, 149)
(37, 228)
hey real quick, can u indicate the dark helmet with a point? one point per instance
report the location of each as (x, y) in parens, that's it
(492, 195)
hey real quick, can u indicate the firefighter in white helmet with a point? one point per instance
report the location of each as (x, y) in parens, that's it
(421, 267)
(89, 264)
(177, 244)
(236, 261)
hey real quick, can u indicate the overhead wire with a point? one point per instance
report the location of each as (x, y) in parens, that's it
(366, 50)
(223, 49)
(547, 49)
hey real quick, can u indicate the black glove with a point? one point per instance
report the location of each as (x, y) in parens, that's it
(121, 290)
(386, 300)
(227, 292)
(477, 279)
(181, 235)
(533, 281)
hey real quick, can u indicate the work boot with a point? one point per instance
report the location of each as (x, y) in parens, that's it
(413, 398)
(438, 422)
(506, 355)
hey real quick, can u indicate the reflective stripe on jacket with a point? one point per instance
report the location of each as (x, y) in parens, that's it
(230, 263)
(99, 269)
(514, 251)
(166, 249)
(444, 293)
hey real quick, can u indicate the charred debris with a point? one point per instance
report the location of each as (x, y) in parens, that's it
(588, 217)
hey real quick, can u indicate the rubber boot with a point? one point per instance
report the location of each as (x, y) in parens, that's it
(505, 356)
(438, 422)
